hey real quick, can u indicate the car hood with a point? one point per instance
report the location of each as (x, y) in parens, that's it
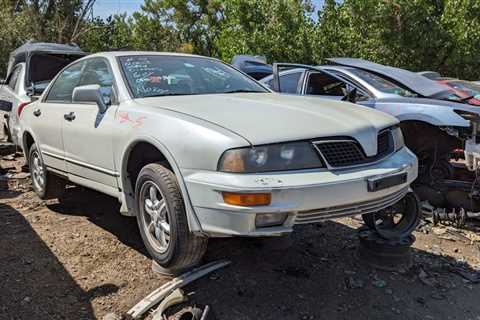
(413, 81)
(269, 117)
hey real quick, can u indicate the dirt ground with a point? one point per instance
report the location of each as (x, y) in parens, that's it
(79, 259)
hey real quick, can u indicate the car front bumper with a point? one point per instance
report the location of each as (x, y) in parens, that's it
(305, 196)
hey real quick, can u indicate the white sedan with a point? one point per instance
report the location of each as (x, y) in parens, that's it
(195, 149)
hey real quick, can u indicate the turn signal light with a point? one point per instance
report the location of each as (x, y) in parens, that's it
(21, 106)
(247, 199)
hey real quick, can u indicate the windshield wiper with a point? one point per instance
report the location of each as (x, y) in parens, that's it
(243, 91)
(169, 94)
(467, 98)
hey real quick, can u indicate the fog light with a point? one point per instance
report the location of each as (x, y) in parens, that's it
(247, 199)
(270, 219)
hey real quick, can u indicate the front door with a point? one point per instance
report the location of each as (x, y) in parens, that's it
(50, 111)
(87, 133)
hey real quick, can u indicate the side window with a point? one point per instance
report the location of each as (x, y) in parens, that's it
(269, 83)
(97, 72)
(326, 85)
(62, 89)
(289, 82)
(12, 81)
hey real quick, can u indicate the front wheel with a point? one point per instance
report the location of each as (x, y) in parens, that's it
(163, 222)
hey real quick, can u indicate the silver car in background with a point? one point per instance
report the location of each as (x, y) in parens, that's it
(439, 126)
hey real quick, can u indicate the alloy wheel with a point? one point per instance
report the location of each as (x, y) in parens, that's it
(155, 216)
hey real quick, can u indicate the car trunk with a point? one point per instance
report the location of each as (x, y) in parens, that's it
(42, 67)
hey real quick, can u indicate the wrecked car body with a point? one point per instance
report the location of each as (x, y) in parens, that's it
(182, 142)
(30, 69)
(438, 128)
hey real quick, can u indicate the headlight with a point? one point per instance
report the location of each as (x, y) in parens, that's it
(467, 115)
(398, 141)
(274, 157)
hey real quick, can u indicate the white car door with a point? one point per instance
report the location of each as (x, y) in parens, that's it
(87, 133)
(49, 116)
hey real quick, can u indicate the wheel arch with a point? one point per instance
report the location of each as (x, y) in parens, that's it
(27, 141)
(137, 154)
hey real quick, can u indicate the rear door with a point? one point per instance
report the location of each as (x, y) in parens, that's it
(49, 116)
(88, 136)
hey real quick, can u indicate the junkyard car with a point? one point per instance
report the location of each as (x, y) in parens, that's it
(466, 90)
(195, 149)
(438, 126)
(30, 69)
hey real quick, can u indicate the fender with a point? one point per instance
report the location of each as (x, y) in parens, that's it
(439, 116)
(127, 192)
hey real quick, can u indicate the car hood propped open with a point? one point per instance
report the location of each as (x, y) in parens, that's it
(413, 81)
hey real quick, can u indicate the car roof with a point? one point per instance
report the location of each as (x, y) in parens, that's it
(146, 53)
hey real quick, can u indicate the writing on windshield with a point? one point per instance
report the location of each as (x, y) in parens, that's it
(163, 75)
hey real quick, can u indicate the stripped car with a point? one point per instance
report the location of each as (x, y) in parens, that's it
(195, 149)
(441, 129)
(30, 69)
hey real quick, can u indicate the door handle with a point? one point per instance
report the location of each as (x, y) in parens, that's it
(69, 116)
(37, 112)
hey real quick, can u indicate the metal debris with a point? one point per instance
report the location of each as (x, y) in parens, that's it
(156, 296)
(176, 297)
(473, 277)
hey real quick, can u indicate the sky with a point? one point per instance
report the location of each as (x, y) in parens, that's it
(105, 8)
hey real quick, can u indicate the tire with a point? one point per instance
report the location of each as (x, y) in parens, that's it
(410, 205)
(160, 208)
(45, 184)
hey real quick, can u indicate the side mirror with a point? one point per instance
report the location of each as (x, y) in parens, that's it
(90, 94)
(34, 90)
(351, 95)
(5, 106)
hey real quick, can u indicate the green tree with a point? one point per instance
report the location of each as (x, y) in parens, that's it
(279, 30)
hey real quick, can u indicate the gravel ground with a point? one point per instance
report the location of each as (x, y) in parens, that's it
(79, 259)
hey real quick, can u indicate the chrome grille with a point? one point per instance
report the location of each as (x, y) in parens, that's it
(370, 206)
(348, 152)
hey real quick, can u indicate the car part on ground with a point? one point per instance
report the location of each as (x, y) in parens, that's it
(194, 313)
(398, 221)
(389, 255)
(166, 289)
(174, 298)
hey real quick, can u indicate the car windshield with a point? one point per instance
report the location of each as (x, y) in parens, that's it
(382, 84)
(469, 88)
(162, 75)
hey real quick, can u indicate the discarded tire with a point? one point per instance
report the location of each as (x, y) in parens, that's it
(398, 221)
(380, 253)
